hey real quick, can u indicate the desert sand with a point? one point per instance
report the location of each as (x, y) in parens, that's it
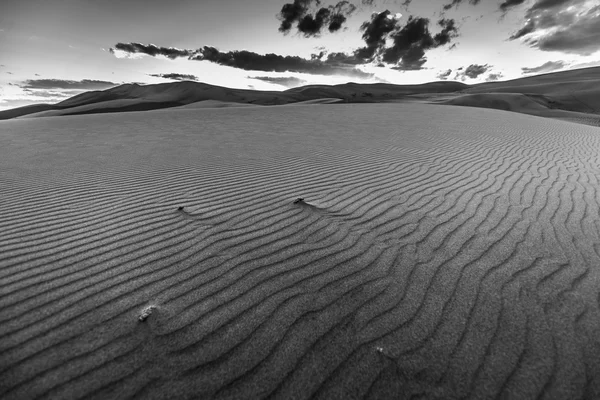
(437, 252)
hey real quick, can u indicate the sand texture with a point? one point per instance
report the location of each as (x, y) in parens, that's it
(438, 252)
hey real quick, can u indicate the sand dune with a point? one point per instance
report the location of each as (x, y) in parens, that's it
(438, 252)
(25, 110)
(576, 90)
(526, 104)
(554, 95)
(121, 105)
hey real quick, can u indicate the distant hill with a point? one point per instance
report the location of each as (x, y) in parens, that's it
(571, 95)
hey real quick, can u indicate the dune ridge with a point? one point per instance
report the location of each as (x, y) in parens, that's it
(438, 252)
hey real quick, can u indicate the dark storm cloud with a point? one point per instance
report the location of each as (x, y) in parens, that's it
(545, 67)
(449, 32)
(177, 77)
(87, 84)
(412, 41)
(312, 24)
(494, 77)
(444, 74)
(455, 3)
(251, 61)
(287, 81)
(568, 26)
(472, 71)
(293, 12)
(409, 42)
(375, 33)
(151, 50)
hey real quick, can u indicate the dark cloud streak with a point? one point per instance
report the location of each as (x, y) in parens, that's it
(250, 61)
(287, 81)
(508, 4)
(176, 76)
(87, 84)
(152, 50)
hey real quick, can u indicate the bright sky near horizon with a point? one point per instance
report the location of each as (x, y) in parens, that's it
(53, 49)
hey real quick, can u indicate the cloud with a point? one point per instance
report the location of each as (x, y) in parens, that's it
(312, 24)
(545, 67)
(449, 32)
(472, 71)
(409, 42)
(287, 81)
(455, 3)
(292, 12)
(508, 4)
(87, 84)
(250, 61)
(42, 93)
(413, 39)
(176, 76)
(525, 30)
(151, 50)
(375, 33)
(567, 26)
(494, 77)
(444, 74)
(318, 56)
(586, 65)
(22, 97)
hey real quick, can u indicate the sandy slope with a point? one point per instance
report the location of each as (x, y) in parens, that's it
(521, 103)
(439, 252)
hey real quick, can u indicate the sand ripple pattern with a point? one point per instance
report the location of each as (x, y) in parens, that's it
(439, 252)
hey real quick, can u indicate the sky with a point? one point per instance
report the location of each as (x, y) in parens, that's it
(51, 50)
